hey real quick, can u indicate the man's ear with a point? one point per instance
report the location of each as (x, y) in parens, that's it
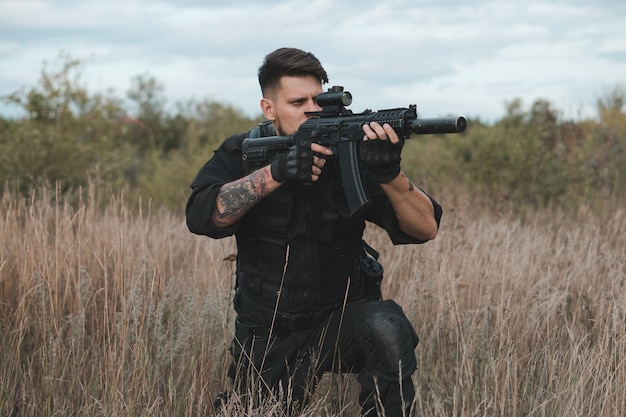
(267, 106)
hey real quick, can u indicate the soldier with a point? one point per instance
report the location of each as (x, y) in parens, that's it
(301, 300)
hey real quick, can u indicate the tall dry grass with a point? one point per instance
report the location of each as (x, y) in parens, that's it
(117, 311)
(107, 310)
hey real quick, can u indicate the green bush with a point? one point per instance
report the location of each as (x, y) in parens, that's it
(530, 157)
(68, 136)
(71, 138)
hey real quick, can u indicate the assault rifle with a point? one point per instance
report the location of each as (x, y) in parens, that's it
(339, 129)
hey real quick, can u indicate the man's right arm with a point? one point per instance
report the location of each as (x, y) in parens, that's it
(218, 201)
(236, 198)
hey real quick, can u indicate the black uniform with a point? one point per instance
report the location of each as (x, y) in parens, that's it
(300, 287)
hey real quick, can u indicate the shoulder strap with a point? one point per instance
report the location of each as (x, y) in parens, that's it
(264, 129)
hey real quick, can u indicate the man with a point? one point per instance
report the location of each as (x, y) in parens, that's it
(301, 308)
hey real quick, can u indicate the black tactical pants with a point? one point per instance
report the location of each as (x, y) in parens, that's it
(371, 337)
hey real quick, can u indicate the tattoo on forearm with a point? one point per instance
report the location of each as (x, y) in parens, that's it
(236, 198)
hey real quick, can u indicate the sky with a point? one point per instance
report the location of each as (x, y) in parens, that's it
(449, 57)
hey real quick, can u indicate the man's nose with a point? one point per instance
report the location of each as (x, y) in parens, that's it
(312, 106)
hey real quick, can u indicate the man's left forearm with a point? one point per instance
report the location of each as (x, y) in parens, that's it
(413, 208)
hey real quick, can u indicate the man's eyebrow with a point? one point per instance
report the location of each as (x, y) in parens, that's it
(298, 99)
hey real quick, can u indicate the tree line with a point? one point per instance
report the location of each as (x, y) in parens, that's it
(72, 137)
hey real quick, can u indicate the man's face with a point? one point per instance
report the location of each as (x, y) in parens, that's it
(286, 106)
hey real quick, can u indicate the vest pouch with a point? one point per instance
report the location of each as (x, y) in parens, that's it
(370, 273)
(272, 215)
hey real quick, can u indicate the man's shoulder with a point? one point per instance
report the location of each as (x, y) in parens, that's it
(233, 143)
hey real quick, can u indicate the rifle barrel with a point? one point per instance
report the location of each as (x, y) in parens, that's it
(439, 125)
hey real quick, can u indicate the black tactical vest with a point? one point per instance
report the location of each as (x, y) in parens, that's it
(299, 247)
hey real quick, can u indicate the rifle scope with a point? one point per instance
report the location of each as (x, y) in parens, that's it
(335, 96)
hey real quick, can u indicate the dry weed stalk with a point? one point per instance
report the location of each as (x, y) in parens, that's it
(110, 308)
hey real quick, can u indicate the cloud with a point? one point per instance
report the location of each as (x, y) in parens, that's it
(448, 56)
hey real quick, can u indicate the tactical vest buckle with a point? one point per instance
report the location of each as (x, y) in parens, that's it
(296, 321)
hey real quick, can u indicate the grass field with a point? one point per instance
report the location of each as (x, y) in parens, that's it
(108, 310)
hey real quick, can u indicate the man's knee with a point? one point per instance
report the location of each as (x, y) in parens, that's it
(388, 340)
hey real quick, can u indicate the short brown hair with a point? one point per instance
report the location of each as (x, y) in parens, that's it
(289, 62)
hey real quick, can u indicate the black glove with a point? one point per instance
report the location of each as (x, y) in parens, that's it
(382, 158)
(296, 165)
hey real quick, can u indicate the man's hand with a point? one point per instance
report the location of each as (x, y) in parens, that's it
(381, 151)
(300, 164)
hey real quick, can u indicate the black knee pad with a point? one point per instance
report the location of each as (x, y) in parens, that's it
(388, 340)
